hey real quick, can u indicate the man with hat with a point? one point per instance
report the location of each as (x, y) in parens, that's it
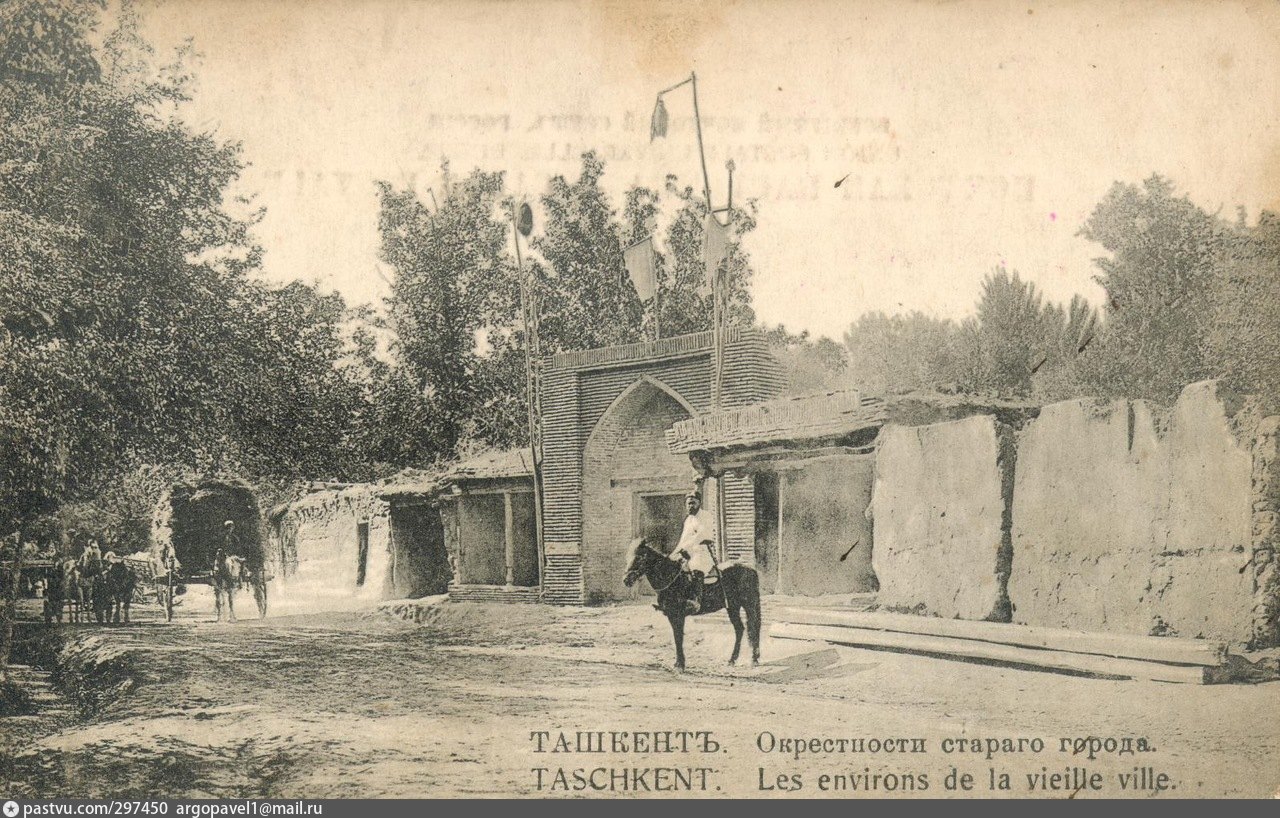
(696, 541)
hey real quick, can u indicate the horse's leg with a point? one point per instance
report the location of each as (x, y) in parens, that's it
(677, 631)
(735, 618)
(753, 626)
(217, 600)
(231, 603)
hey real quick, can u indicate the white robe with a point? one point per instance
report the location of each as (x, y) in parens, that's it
(697, 528)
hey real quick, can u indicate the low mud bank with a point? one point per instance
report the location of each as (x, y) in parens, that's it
(87, 669)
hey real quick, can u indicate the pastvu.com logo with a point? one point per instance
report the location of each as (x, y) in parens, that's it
(10, 809)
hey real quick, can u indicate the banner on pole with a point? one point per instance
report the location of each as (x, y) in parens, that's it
(658, 123)
(639, 261)
(715, 244)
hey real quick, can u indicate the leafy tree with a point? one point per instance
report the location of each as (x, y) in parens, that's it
(1242, 337)
(685, 299)
(902, 353)
(132, 329)
(455, 286)
(1068, 333)
(808, 365)
(584, 279)
(1165, 254)
(1005, 343)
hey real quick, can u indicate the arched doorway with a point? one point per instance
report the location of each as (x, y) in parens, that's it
(632, 483)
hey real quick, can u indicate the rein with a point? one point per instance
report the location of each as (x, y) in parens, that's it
(675, 576)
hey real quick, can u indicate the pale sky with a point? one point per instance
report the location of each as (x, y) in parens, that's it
(972, 134)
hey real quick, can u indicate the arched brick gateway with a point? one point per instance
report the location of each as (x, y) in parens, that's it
(606, 467)
(628, 467)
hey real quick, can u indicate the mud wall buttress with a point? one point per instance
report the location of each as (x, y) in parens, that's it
(940, 519)
(1129, 520)
(1265, 534)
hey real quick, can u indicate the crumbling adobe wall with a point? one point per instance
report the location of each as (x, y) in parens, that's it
(318, 549)
(823, 517)
(1266, 534)
(941, 518)
(1128, 520)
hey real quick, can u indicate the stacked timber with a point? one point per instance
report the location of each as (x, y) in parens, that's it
(1159, 658)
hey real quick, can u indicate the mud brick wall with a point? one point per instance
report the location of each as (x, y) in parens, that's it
(822, 517)
(1266, 534)
(317, 547)
(941, 518)
(1130, 519)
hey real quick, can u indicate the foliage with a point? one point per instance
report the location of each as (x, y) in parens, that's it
(132, 329)
(454, 284)
(457, 379)
(1166, 256)
(684, 299)
(1189, 297)
(1242, 335)
(900, 353)
(584, 278)
(808, 365)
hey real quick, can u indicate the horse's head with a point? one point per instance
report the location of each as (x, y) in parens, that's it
(639, 558)
(236, 568)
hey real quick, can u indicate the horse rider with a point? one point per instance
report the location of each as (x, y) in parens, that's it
(230, 538)
(91, 560)
(229, 547)
(694, 549)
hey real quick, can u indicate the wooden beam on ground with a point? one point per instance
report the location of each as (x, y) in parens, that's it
(1149, 648)
(992, 652)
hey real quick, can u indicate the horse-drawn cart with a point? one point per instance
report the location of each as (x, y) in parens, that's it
(146, 572)
(214, 539)
(168, 583)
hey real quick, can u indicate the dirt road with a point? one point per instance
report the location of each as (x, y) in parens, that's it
(346, 705)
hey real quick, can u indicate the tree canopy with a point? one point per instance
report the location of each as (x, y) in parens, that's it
(133, 327)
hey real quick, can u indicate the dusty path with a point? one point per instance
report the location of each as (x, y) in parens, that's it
(348, 705)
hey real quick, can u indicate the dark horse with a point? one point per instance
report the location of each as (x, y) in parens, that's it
(113, 593)
(737, 590)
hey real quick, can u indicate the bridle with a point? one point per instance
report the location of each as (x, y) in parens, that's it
(674, 576)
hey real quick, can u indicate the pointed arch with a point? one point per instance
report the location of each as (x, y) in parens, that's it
(625, 396)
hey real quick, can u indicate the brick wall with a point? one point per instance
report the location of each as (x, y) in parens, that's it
(579, 388)
(626, 452)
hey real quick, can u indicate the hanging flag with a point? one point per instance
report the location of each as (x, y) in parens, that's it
(524, 222)
(715, 243)
(658, 124)
(640, 266)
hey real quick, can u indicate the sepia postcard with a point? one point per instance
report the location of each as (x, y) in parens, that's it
(751, 399)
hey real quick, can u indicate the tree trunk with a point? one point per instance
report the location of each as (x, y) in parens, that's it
(10, 609)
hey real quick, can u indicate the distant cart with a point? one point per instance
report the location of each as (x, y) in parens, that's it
(197, 513)
(33, 571)
(145, 591)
